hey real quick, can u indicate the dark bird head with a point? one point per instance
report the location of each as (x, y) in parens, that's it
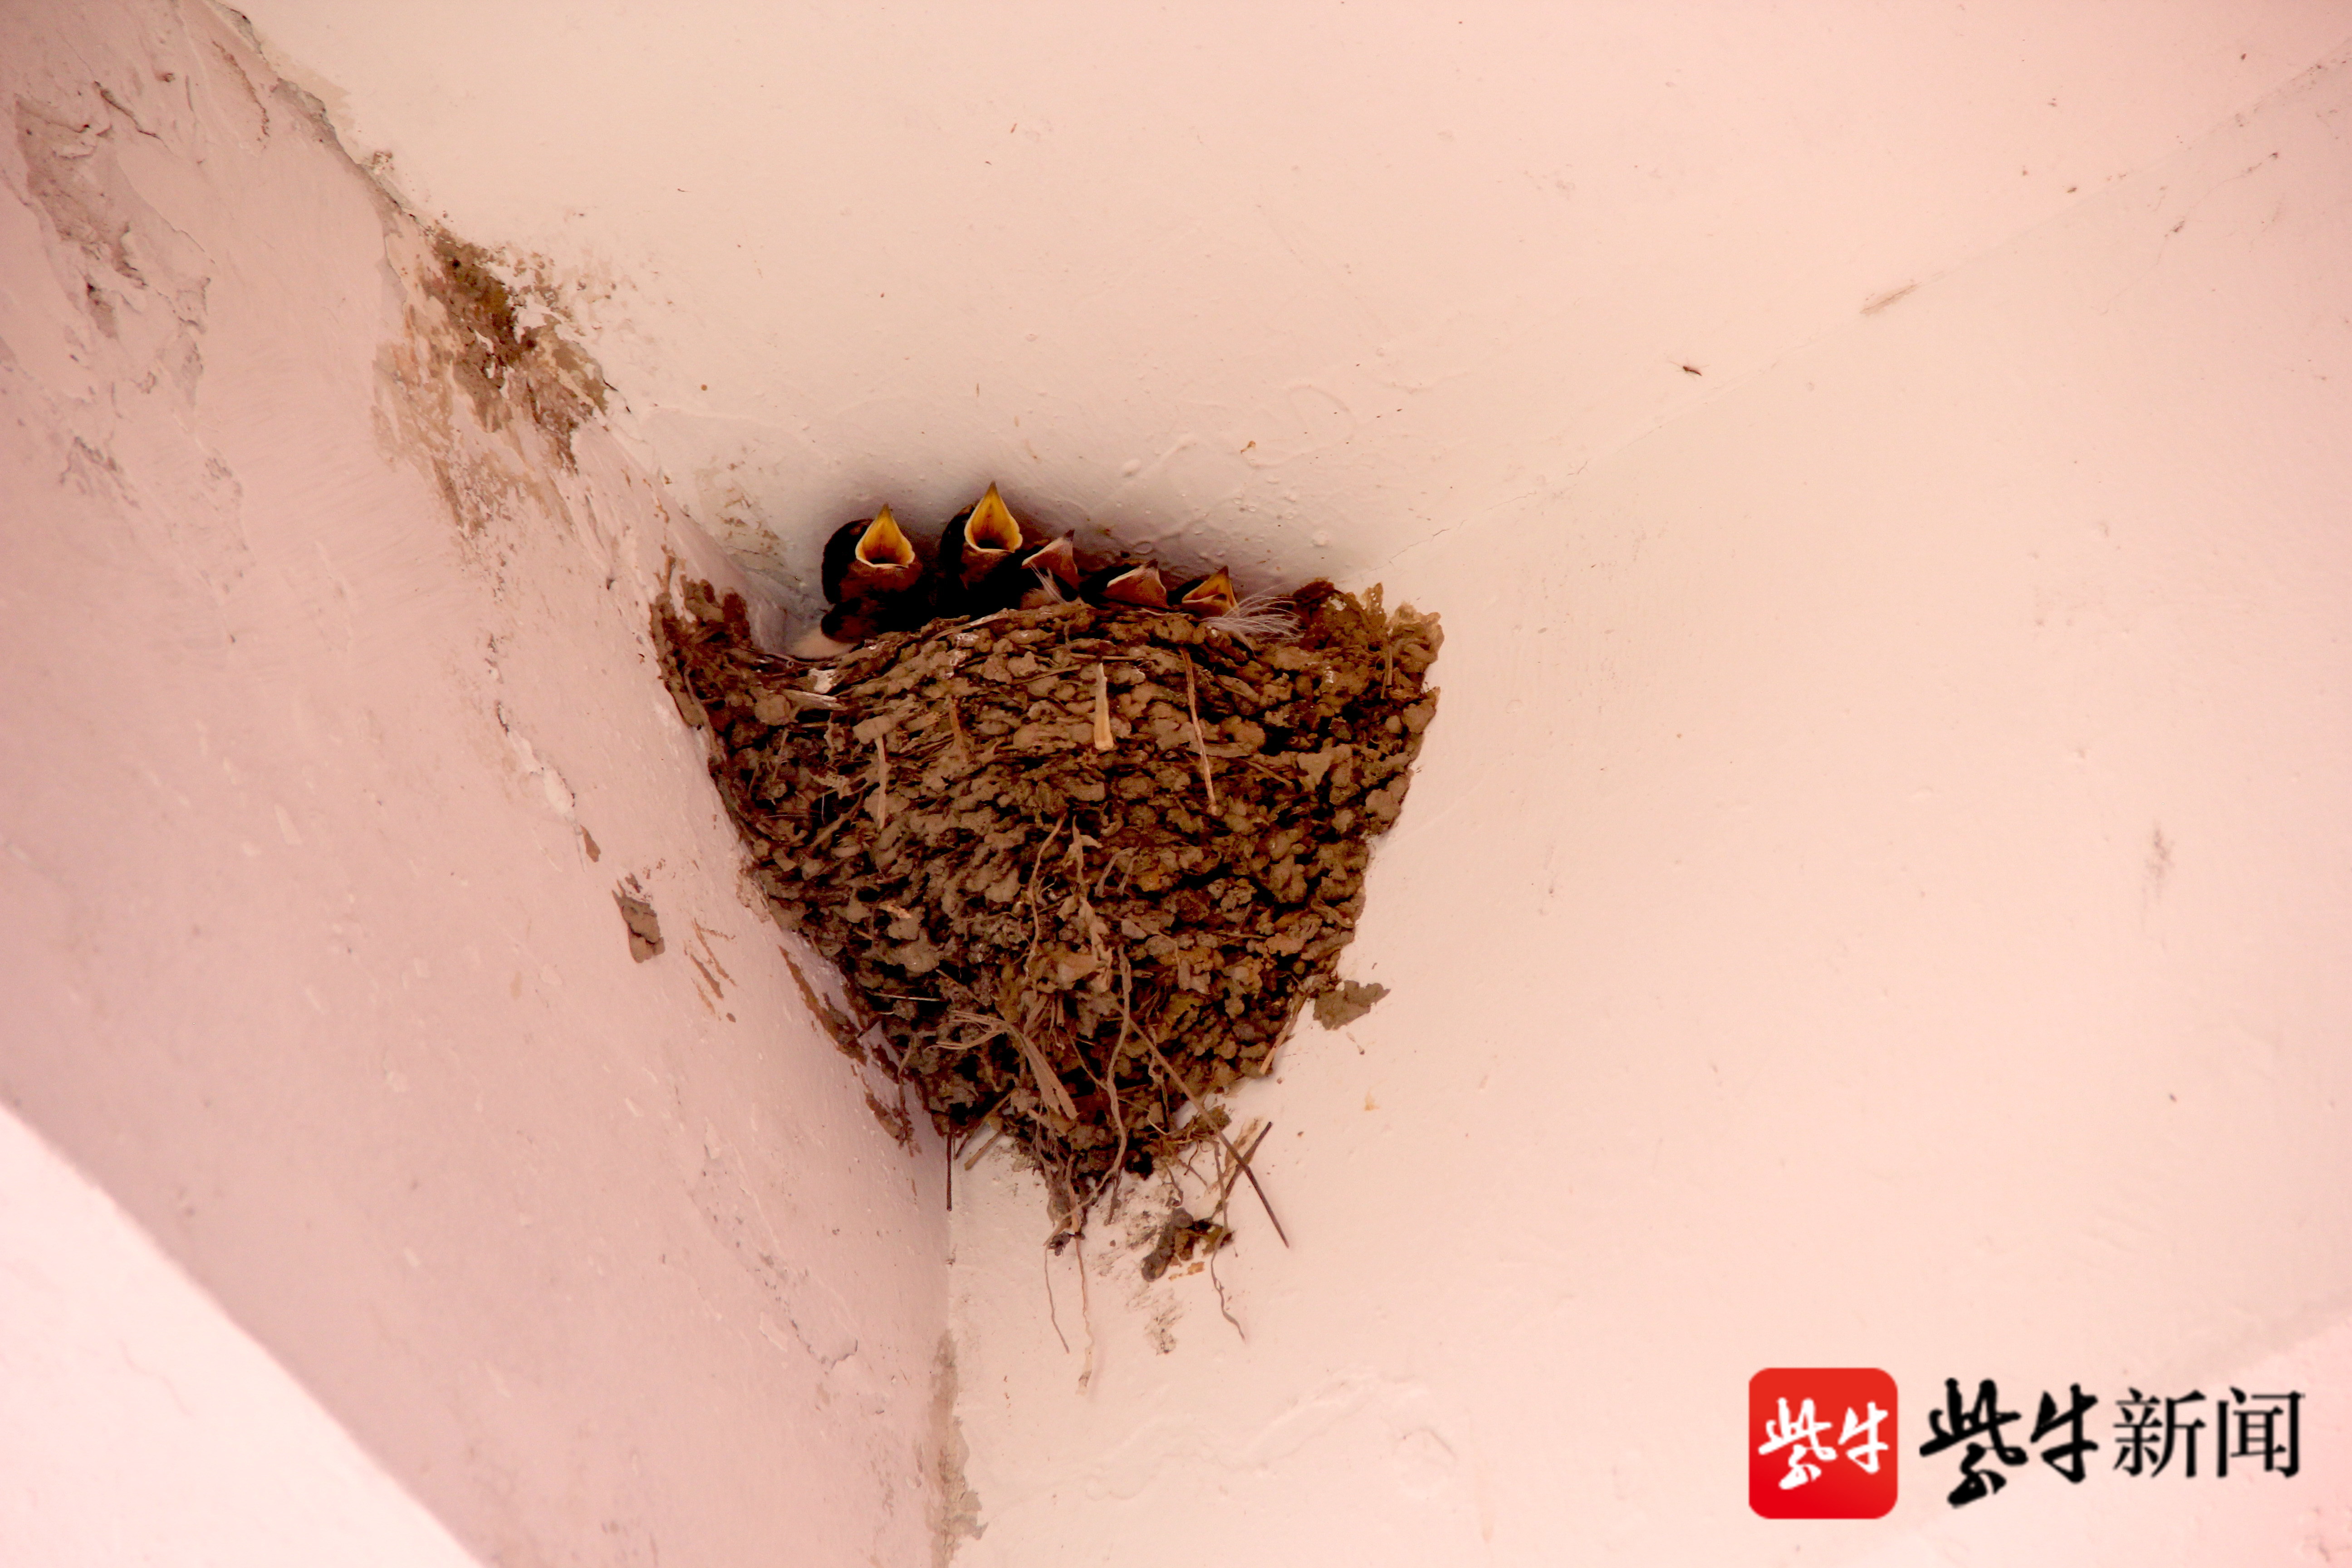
(845, 626)
(868, 558)
(1129, 582)
(1029, 579)
(874, 580)
(977, 543)
(1207, 598)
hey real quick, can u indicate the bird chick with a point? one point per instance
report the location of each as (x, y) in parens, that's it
(1207, 596)
(977, 545)
(1045, 575)
(874, 578)
(1030, 577)
(1137, 583)
(867, 558)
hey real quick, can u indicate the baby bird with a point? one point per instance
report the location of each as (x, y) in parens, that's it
(868, 559)
(1129, 582)
(874, 580)
(1207, 598)
(973, 551)
(1030, 579)
(1045, 575)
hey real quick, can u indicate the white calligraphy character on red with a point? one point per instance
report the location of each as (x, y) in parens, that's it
(1802, 1437)
(1866, 1452)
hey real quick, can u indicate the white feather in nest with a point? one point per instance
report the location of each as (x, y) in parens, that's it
(1261, 618)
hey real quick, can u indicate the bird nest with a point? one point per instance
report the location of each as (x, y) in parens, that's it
(1081, 865)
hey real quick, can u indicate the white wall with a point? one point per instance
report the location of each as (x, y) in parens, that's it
(316, 691)
(144, 1428)
(1876, 895)
(1233, 275)
(1876, 891)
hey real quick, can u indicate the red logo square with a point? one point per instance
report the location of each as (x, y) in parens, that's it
(1821, 1441)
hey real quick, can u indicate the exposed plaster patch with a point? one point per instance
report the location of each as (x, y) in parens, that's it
(955, 1507)
(252, 97)
(58, 155)
(505, 366)
(536, 769)
(818, 1318)
(476, 330)
(120, 258)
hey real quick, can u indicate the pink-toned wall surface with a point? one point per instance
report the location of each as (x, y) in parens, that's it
(143, 1427)
(321, 678)
(1878, 887)
(1877, 894)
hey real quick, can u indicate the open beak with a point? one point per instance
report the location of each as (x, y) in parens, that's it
(883, 545)
(991, 529)
(1058, 560)
(1211, 597)
(1137, 585)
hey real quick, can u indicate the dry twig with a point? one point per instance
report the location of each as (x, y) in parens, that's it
(1200, 740)
(1200, 1107)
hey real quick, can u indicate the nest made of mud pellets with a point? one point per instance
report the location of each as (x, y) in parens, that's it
(1082, 865)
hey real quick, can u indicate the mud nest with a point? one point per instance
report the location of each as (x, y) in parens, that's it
(1083, 866)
